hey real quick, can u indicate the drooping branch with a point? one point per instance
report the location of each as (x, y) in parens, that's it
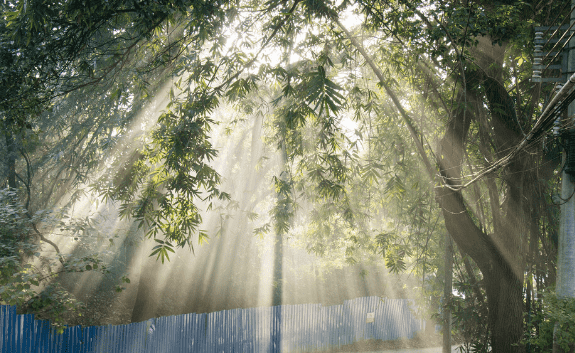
(41, 236)
(415, 135)
(27, 184)
(38, 233)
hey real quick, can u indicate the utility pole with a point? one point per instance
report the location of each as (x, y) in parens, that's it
(566, 248)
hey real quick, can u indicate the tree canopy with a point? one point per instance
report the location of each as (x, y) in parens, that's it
(381, 110)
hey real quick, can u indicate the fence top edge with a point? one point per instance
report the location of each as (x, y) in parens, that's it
(11, 309)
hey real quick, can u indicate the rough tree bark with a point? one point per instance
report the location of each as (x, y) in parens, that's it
(499, 254)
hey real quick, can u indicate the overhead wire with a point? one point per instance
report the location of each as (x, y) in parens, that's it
(555, 20)
(555, 107)
(559, 41)
(565, 18)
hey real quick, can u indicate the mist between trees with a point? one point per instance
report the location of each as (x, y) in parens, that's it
(278, 152)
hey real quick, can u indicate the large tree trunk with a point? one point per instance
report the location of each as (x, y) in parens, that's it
(497, 264)
(499, 255)
(505, 303)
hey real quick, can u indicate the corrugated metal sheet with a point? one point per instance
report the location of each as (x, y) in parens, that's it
(287, 328)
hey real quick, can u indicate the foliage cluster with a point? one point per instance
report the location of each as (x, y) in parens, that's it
(27, 277)
(556, 315)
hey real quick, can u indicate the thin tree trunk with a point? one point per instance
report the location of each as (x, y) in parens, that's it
(10, 158)
(447, 292)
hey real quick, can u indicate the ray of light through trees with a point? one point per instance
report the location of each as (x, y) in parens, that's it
(161, 157)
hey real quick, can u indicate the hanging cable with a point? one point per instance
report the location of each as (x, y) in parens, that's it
(557, 105)
(555, 20)
(563, 47)
(568, 16)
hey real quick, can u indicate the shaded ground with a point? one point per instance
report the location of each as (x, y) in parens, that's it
(454, 349)
(432, 340)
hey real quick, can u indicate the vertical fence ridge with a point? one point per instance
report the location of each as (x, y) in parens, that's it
(286, 328)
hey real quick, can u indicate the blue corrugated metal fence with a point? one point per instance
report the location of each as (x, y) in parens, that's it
(287, 328)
